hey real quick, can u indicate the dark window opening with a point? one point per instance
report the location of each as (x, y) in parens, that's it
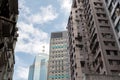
(111, 62)
(108, 52)
(117, 28)
(98, 3)
(82, 63)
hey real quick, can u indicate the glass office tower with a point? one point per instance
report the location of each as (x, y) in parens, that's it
(38, 70)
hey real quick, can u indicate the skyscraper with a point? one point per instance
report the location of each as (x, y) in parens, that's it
(58, 65)
(8, 37)
(113, 10)
(92, 45)
(38, 70)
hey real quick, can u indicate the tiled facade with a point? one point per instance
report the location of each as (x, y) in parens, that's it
(92, 44)
(58, 65)
(8, 37)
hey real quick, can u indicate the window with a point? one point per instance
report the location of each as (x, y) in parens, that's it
(107, 35)
(76, 11)
(111, 62)
(106, 21)
(82, 63)
(115, 53)
(103, 21)
(76, 73)
(104, 15)
(109, 43)
(78, 1)
(101, 64)
(118, 62)
(76, 16)
(75, 5)
(114, 17)
(75, 65)
(110, 8)
(74, 49)
(98, 4)
(108, 52)
(74, 56)
(112, 43)
(105, 27)
(118, 26)
(98, 70)
(99, 9)
(115, 72)
(98, 14)
(77, 21)
(101, 14)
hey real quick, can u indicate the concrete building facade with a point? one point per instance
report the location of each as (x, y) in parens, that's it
(58, 65)
(93, 47)
(38, 70)
(8, 37)
(113, 10)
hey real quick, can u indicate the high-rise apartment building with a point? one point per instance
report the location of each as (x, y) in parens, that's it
(113, 10)
(8, 37)
(92, 45)
(38, 70)
(58, 65)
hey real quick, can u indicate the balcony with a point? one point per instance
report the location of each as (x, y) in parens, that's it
(11, 45)
(6, 27)
(79, 37)
(80, 45)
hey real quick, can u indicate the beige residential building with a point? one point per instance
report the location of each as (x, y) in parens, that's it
(113, 10)
(93, 47)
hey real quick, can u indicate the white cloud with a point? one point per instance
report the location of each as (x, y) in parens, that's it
(61, 26)
(21, 69)
(31, 39)
(22, 73)
(64, 25)
(24, 10)
(45, 14)
(65, 5)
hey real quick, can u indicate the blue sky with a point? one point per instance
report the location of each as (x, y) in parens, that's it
(36, 20)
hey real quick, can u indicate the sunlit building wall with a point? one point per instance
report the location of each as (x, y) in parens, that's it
(58, 65)
(113, 10)
(92, 43)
